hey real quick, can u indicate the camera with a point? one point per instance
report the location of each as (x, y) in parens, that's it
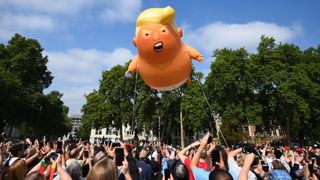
(50, 156)
(247, 149)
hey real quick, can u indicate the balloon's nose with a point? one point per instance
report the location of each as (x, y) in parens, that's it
(156, 36)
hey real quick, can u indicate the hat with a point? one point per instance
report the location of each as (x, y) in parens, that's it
(316, 145)
(143, 154)
(299, 150)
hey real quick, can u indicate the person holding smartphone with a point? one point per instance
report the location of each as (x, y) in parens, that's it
(218, 173)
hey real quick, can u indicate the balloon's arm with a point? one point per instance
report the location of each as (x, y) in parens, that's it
(193, 53)
(132, 67)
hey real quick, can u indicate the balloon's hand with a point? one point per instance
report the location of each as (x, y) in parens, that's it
(199, 58)
(128, 74)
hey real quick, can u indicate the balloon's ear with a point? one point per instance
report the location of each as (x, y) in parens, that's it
(134, 41)
(180, 33)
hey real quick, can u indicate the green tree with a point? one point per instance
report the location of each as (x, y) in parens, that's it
(277, 86)
(24, 76)
(92, 114)
(195, 112)
(311, 66)
(110, 106)
(230, 88)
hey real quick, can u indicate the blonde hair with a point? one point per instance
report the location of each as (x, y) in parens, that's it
(164, 16)
(103, 169)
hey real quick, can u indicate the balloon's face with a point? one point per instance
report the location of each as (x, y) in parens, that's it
(157, 40)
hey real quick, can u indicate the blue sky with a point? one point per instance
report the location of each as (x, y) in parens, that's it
(84, 37)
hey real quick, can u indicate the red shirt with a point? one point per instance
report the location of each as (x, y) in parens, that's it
(187, 162)
(204, 165)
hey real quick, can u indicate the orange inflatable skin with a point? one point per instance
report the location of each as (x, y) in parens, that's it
(163, 61)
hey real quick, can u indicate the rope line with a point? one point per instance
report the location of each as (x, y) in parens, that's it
(207, 101)
(134, 123)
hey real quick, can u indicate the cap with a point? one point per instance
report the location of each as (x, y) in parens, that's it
(299, 150)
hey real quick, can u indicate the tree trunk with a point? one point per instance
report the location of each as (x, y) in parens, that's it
(288, 134)
(181, 128)
(121, 133)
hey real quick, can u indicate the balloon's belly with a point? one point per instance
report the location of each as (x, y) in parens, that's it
(166, 77)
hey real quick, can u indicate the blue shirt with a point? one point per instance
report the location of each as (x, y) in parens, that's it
(279, 174)
(146, 170)
(164, 162)
(200, 174)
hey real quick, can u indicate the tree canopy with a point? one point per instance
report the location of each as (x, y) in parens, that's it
(23, 77)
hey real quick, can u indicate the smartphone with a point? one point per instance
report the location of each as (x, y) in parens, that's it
(265, 167)
(115, 144)
(59, 144)
(215, 157)
(119, 156)
(167, 174)
(209, 140)
(310, 166)
(40, 144)
(313, 160)
(86, 154)
(53, 156)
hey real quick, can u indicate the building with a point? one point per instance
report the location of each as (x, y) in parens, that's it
(76, 122)
(112, 134)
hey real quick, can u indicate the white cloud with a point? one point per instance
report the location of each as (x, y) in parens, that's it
(121, 11)
(20, 16)
(80, 71)
(79, 66)
(11, 24)
(74, 98)
(219, 35)
(46, 6)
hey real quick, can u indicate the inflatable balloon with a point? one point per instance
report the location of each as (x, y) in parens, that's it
(163, 60)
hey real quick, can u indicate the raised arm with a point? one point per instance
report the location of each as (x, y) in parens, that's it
(193, 53)
(234, 152)
(132, 67)
(246, 167)
(196, 157)
(182, 153)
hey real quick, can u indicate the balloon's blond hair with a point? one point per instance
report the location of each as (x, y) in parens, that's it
(164, 16)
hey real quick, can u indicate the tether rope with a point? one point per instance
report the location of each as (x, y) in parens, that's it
(211, 111)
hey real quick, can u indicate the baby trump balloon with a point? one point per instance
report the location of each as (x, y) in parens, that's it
(163, 60)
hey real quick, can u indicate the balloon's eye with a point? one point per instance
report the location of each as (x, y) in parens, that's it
(147, 34)
(163, 30)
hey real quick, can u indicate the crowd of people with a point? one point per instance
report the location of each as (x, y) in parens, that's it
(203, 159)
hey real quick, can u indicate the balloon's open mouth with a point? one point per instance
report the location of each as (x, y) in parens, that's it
(158, 47)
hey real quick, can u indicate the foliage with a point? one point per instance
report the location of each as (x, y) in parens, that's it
(277, 86)
(23, 77)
